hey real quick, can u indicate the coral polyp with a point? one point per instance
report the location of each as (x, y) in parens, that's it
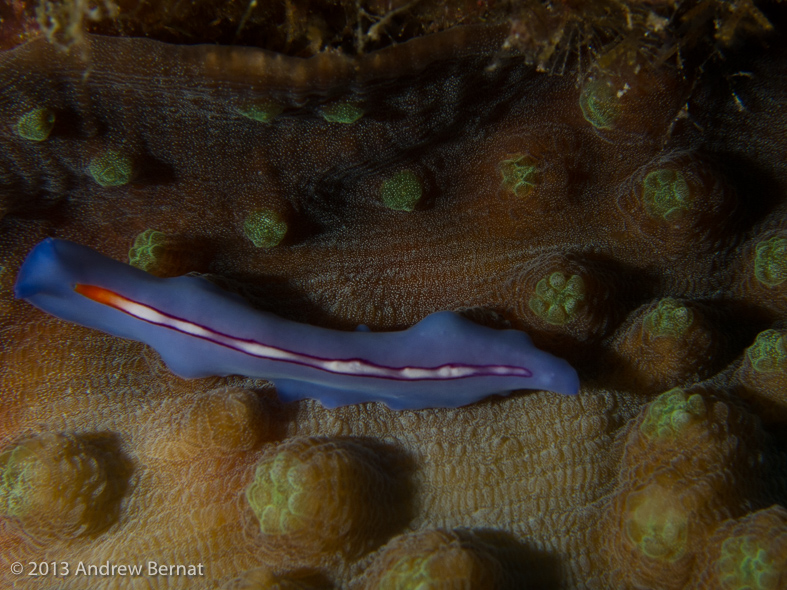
(770, 263)
(669, 319)
(671, 413)
(36, 125)
(265, 228)
(768, 353)
(402, 191)
(520, 174)
(557, 298)
(600, 103)
(262, 111)
(341, 112)
(111, 168)
(439, 560)
(319, 497)
(59, 486)
(665, 193)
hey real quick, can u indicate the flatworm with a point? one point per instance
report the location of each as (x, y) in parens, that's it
(200, 330)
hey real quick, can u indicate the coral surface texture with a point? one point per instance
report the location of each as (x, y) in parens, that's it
(611, 181)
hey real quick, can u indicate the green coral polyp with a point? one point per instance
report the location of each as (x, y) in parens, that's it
(665, 194)
(669, 319)
(17, 477)
(277, 497)
(36, 125)
(671, 413)
(558, 298)
(745, 563)
(768, 354)
(265, 228)
(600, 104)
(770, 261)
(263, 111)
(520, 174)
(341, 112)
(147, 249)
(111, 168)
(402, 191)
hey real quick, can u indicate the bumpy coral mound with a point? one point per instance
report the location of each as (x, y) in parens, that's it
(222, 421)
(61, 486)
(434, 560)
(761, 374)
(689, 462)
(666, 343)
(315, 497)
(749, 552)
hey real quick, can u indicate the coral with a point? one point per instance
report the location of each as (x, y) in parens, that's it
(761, 374)
(671, 413)
(36, 125)
(600, 103)
(262, 111)
(557, 297)
(158, 254)
(667, 343)
(670, 319)
(433, 559)
(402, 191)
(111, 168)
(341, 112)
(749, 552)
(315, 497)
(59, 485)
(770, 263)
(665, 193)
(265, 228)
(688, 464)
(520, 174)
(651, 172)
(767, 354)
(678, 199)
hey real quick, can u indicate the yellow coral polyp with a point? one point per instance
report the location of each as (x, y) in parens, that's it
(432, 560)
(439, 570)
(56, 484)
(671, 413)
(656, 523)
(226, 420)
(147, 250)
(745, 564)
(111, 168)
(557, 298)
(36, 125)
(669, 319)
(317, 496)
(770, 261)
(265, 228)
(768, 354)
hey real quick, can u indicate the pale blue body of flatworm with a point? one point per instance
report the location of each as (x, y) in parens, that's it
(199, 330)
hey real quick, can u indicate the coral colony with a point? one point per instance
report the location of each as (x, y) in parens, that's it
(385, 295)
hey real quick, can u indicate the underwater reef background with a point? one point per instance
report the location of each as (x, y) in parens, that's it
(609, 177)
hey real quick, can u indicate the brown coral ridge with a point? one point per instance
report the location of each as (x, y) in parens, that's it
(443, 173)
